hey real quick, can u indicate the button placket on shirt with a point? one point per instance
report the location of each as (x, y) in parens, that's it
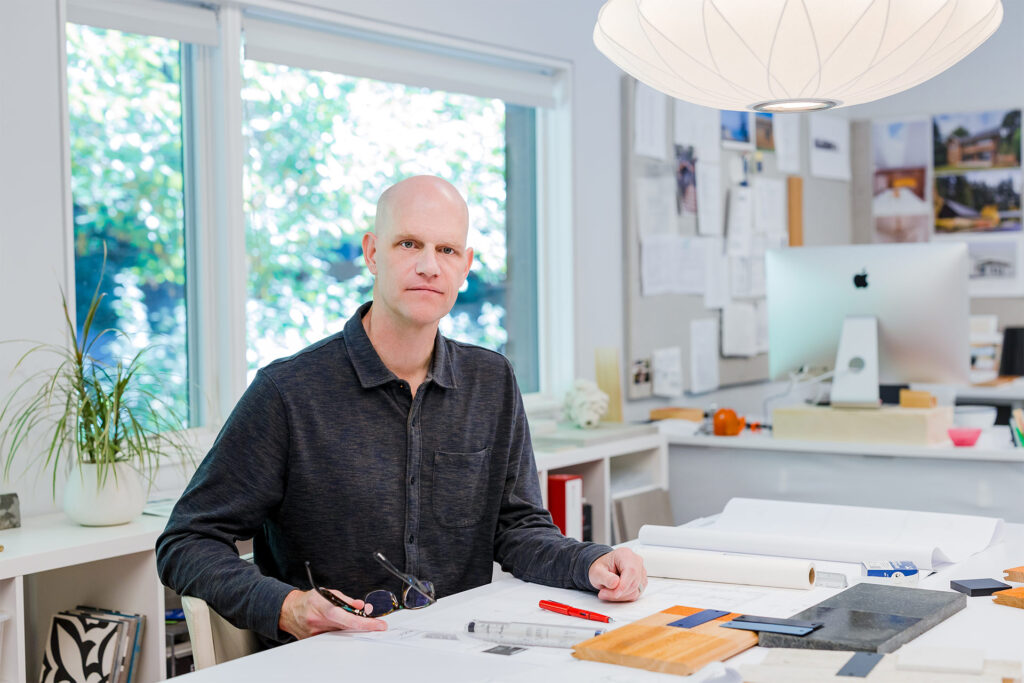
(414, 458)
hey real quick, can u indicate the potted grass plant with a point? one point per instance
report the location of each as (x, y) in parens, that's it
(93, 421)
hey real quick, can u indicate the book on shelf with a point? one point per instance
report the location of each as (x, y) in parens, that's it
(135, 625)
(90, 644)
(1017, 426)
(565, 502)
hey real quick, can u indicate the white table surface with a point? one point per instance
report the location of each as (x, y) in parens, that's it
(405, 654)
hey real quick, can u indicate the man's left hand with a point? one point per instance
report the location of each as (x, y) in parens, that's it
(619, 575)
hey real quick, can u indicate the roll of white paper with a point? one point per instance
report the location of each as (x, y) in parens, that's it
(673, 563)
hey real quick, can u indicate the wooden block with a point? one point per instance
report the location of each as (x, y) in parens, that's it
(1013, 597)
(888, 424)
(609, 381)
(677, 413)
(652, 644)
(795, 206)
(1016, 574)
(916, 399)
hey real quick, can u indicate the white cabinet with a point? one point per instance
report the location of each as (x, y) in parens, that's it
(625, 462)
(50, 564)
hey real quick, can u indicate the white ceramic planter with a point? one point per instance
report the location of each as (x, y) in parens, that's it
(118, 501)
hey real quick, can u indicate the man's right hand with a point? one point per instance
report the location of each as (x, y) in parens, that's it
(307, 613)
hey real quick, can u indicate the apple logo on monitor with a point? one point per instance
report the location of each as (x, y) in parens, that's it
(860, 280)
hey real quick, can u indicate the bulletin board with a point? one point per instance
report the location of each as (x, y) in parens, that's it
(663, 320)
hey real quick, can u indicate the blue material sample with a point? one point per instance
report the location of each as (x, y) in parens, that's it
(698, 618)
(860, 664)
(976, 587)
(789, 630)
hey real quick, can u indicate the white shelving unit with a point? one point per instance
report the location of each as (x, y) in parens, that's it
(50, 564)
(622, 464)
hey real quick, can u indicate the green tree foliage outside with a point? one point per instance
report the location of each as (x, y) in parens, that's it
(321, 149)
(124, 102)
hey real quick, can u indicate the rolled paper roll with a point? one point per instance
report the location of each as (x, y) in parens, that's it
(778, 572)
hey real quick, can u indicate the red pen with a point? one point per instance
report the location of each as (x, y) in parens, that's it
(558, 607)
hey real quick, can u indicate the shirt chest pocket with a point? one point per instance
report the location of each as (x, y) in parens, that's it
(460, 487)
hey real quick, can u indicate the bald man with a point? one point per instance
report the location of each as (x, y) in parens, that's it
(384, 437)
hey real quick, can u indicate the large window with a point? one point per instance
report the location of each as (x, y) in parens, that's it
(127, 188)
(228, 160)
(321, 147)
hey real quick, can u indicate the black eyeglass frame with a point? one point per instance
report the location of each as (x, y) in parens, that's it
(411, 583)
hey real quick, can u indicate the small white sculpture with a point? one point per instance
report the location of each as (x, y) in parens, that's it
(585, 403)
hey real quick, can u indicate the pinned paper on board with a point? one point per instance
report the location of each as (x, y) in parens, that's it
(668, 371)
(787, 142)
(761, 313)
(770, 206)
(698, 126)
(830, 147)
(709, 199)
(740, 221)
(739, 329)
(716, 274)
(650, 124)
(671, 264)
(656, 205)
(703, 355)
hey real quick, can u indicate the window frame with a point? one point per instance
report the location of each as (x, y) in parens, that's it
(216, 266)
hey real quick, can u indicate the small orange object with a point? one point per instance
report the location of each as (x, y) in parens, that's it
(727, 423)
(1016, 574)
(1013, 597)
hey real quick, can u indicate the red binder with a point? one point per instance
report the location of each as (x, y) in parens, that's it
(565, 501)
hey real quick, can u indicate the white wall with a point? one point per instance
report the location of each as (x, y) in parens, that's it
(32, 249)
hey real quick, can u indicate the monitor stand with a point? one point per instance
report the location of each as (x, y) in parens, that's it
(855, 382)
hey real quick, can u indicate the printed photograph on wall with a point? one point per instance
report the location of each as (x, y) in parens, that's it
(978, 201)
(736, 132)
(995, 266)
(686, 180)
(764, 132)
(829, 146)
(976, 140)
(900, 202)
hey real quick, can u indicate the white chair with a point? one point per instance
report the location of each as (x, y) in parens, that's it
(214, 640)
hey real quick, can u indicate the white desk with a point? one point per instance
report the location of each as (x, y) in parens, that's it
(706, 471)
(982, 624)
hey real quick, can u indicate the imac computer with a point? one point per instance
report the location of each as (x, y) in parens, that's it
(873, 314)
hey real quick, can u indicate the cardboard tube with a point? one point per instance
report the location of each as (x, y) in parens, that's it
(778, 572)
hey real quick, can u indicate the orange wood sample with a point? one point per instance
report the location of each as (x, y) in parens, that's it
(677, 413)
(650, 643)
(795, 208)
(1015, 574)
(916, 399)
(1014, 597)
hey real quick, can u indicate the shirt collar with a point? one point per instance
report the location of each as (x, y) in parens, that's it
(371, 369)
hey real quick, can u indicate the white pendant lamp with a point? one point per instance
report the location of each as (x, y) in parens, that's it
(790, 55)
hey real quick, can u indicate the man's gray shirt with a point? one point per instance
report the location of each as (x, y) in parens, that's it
(327, 457)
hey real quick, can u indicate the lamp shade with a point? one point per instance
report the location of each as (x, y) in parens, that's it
(1012, 361)
(790, 55)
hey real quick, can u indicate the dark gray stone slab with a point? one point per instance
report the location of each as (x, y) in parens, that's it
(871, 618)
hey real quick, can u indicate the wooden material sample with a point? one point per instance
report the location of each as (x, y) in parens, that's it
(652, 644)
(606, 361)
(888, 424)
(821, 666)
(916, 399)
(1011, 598)
(1015, 574)
(677, 413)
(795, 206)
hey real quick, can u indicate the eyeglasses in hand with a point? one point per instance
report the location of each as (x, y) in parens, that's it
(417, 594)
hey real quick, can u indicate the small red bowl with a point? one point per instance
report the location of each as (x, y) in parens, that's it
(964, 436)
